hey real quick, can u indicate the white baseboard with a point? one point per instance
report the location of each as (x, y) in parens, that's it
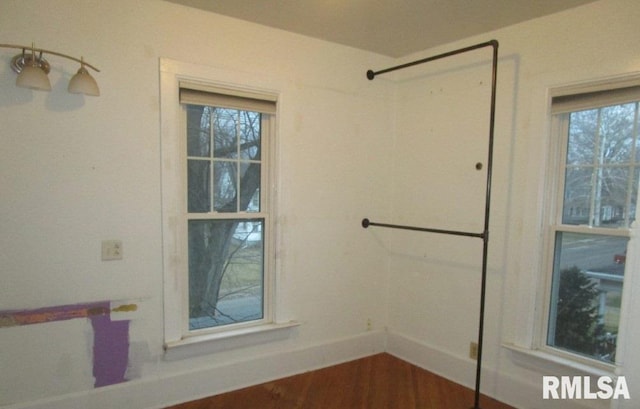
(442, 363)
(162, 391)
(523, 391)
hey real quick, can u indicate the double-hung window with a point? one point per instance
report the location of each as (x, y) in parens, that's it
(227, 208)
(218, 208)
(596, 153)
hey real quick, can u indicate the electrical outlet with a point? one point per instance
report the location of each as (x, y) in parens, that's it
(473, 350)
(111, 250)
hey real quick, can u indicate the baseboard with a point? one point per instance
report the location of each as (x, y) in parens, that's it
(462, 370)
(154, 392)
(520, 391)
(162, 391)
(437, 361)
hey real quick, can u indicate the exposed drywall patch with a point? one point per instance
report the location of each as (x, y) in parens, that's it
(139, 353)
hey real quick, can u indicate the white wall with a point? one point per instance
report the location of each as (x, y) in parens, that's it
(442, 132)
(74, 171)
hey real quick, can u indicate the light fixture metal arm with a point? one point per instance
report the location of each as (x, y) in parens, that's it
(41, 50)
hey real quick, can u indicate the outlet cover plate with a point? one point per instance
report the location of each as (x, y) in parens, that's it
(111, 250)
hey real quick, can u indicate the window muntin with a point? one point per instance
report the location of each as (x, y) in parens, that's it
(227, 218)
(599, 173)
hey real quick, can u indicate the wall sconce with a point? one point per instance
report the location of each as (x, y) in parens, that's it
(32, 70)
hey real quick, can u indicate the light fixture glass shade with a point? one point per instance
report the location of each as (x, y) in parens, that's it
(83, 83)
(33, 77)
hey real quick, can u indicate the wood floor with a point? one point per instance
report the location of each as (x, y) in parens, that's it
(377, 382)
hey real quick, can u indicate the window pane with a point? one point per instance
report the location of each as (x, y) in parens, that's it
(616, 133)
(599, 197)
(198, 128)
(586, 291)
(582, 137)
(199, 196)
(224, 186)
(250, 187)
(250, 135)
(225, 133)
(226, 276)
(577, 196)
(612, 197)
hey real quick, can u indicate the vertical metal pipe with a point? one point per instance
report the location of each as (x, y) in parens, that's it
(485, 238)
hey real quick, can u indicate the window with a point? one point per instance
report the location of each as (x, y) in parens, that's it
(597, 151)
(218, 146)
(227, 216)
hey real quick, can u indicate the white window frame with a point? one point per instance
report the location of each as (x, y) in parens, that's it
(553, 222)
(174, 209)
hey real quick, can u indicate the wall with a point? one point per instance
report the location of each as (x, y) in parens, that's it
(76, 170)
(442, 132)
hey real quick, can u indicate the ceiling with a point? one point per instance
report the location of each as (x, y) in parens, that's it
(390, 27)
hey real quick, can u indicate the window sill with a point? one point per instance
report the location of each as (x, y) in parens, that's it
(220, 341)
(551, 364)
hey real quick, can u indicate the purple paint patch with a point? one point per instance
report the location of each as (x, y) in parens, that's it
(110, 350)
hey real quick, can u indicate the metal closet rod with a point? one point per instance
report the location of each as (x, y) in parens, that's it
(491, 43)
(366, 223)
(485, 234)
